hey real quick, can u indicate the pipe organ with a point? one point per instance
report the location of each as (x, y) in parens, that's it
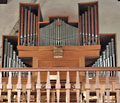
(54, 61)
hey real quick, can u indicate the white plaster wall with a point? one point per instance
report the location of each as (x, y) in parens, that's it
(9, 14)
(109, 19)
(108, 14)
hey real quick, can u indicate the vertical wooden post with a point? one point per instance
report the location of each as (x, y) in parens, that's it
(29, 87)
(107, 88)
(118, 95)
(77, 87)
(48, 87)
(68, 86)
(35, 64)
(58, 87)
(97, 87)
(87, 87)
(117, 87)
(82, 61)
(38, 87)
(53, 97)
(9, 86)
(19, 87)
(0, 84)
(101, 96)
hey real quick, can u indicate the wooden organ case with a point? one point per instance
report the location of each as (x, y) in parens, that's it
(58, 32)
(58, 42)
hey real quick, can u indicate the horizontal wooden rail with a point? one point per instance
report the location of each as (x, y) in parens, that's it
(60, 69)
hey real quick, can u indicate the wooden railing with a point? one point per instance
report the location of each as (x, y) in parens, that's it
(67, 90)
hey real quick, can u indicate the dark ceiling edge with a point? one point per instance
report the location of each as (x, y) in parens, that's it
(3, 1)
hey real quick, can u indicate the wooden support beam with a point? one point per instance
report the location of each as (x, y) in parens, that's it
(107, 88)
(35, 64)
(82, 61)
(68, 86)
(61, 69)
(19, 87)
(77, 87)
(87, 87)
(117, 87)
(38, 87)
(9, 87)
(97, 88)
(53, 97)
(29, 87)
(48, 87)
(58, 87)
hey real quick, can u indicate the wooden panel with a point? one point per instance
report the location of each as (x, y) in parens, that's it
(27, 48)
(82, 62)
(67, 54)
(62, 69)
(65, 48)
(35, 62)
(58, 63)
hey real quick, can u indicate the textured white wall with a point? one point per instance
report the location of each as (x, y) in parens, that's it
(109, 19)
(109, 16)
(9, 16)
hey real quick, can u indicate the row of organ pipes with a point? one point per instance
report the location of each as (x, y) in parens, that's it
(89, 26)
(28, 27)
(58, 32)
(106, 59)
(11, 59)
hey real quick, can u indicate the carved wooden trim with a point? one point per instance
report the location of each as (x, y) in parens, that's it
(9, 86)
(29, 87)
(58, 87)
(68, 86)
(77, 87)
(19, 87)
(38, 87)
(48, 87)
